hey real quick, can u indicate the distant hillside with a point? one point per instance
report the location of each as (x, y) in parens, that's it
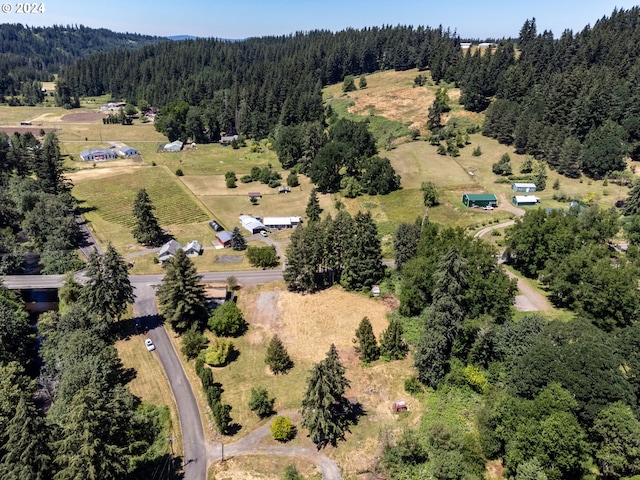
(38, 53)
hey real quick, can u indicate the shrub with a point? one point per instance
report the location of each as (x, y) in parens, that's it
(206, 377)
(292, 180)
(222, 416)
(476, 151)
(263, 257)
(260, 403)
(413, 386)
(476, 379)
(246, 179)
(192, 343)
(179, 172)
(282, 429)
(219, 353)
(199, 367)
(291, 473)
(213, 393)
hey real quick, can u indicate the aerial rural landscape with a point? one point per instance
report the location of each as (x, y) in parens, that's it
(389, 252)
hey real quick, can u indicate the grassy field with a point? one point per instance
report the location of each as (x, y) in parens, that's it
(150, 382)
(261, 468)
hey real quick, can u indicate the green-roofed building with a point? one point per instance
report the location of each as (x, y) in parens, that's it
(479, 199)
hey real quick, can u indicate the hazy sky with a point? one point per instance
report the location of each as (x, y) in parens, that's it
(250, 18)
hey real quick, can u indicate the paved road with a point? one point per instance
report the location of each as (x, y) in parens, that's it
(195, 450)
(245, 277)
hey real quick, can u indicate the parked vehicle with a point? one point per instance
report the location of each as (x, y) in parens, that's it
(149, 344)
(216, 226)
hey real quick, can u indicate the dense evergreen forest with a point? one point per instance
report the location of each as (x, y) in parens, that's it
(37, 53)
(571, 101)
(250, 87)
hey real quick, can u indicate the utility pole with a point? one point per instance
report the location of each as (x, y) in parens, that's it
(170, 465)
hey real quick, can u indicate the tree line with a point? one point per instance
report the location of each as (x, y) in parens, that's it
(36, 54)
(35, 202)
(571, 102)
(250, 87)
(71, 415)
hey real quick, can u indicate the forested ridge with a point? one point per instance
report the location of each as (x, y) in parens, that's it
(249, 87)
(37, 53)
(570, 101)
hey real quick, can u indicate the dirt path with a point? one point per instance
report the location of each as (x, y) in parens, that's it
(529, 300)
(251, 445)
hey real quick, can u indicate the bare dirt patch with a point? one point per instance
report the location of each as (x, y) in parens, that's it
(83, 117)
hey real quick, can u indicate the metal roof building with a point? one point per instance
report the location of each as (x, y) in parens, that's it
(251, 224)
(479, 199)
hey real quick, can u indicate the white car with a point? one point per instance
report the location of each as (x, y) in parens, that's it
(264, 233)
(488, 207)
(149, 344)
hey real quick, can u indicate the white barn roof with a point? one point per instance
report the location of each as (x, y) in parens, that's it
(524, 185)
(526, 199)
(272, 221)
(251, 224)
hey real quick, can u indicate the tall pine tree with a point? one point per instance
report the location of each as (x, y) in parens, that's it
(147, 230)
(325, 410)
(313, 207)
(363, 263)
(367, 346)
(181, 295)
(108, 289)
(443, 319)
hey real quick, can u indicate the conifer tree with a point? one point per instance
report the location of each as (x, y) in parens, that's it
(313, 207)
(108, 289)
(237, 240)
(181, 295)
(325, 410)
(147, 230)
(443, 320)
(392, 345)
(405, 243)
(25, 445)
(277, 357)
(367, 346)
(222, 416)
(362, 266)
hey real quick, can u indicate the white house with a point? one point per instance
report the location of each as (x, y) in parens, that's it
(193, 249)
(126, 151)
(281, 222)
(97, 154)
(252, 224)
(168, 250)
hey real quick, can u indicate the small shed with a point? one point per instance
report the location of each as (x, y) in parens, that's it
(479, 199)
(524, 200)
(227, 139)
(168, 250)
(252, 224)
(523, 187)
(216, 294)
(193, 248)
(224, 239)
(254, 195)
